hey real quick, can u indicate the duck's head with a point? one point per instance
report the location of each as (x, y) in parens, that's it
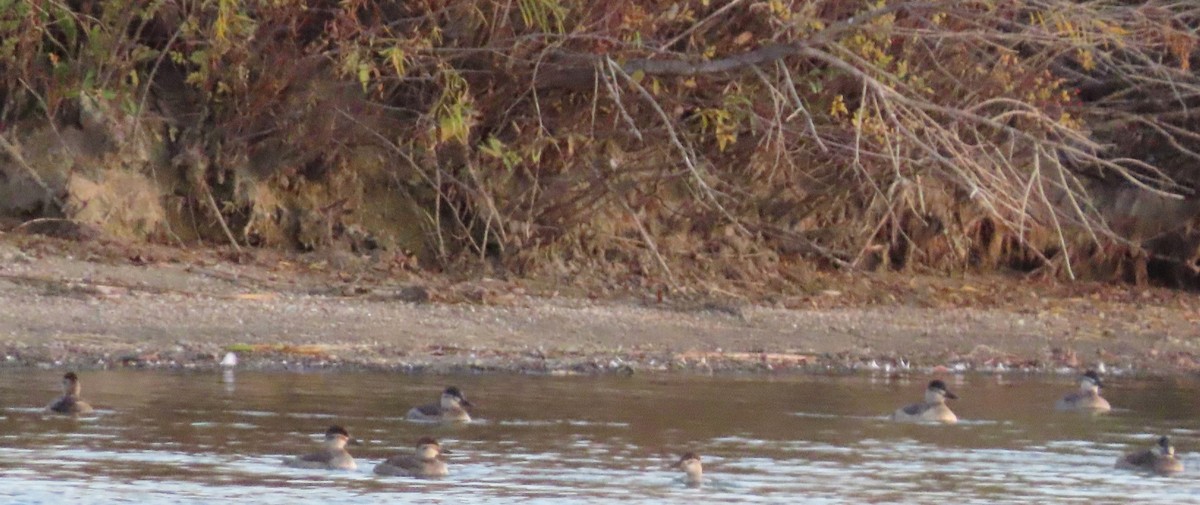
(937, 391)
(1164, 447)
(452, 397)
(337, 436)
(1090, 380)
(70, 383)
(429, 448)
(690, 463)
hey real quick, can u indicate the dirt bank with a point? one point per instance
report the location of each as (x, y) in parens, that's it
(69, 304)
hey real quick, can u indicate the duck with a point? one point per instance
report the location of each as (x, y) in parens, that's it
(933, 409)
(333, 456)
(451, 408)
(424, 462)
(1088, 398)
(1159, 459)
(70, 403)
(693, 471)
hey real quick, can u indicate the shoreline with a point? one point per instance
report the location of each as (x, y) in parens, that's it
(186, 310)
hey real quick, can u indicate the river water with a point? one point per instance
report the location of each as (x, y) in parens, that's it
(190, 437)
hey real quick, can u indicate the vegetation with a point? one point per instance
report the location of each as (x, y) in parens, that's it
(664, 143)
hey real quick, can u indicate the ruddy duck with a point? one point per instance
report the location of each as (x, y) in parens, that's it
(332, 456)
(1087, 399)
(70, 403)
(933, 409)
(693, 471)
(1160, 459)
(424, 462)
(452, 408)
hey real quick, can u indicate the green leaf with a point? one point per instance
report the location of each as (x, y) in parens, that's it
(364, 75)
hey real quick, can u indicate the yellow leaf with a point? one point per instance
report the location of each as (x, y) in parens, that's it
(1086, 60)
(1112, 29)
(364, 75)
(838, 109)
(396, 55)
(447, 128)
(778, 8)
(308, 349)
(254, 296)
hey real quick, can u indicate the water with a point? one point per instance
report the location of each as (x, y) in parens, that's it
(184, 438)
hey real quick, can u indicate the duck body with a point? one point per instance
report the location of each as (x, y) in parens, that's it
(332, 456)
(932, 410)
(412, 466)
(1087, 399)
(70, 403)
(1159, 460)
(1083, 402)
(324, 460)
(925, 412)
(451, 407)
(693, 470)
(434, 413)
(423, 463)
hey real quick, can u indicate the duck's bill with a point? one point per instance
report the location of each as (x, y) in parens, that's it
(951, 396)
(354, 441)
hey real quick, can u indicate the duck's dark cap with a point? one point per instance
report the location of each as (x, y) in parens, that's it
(427, 441)
(71, 376)
(337, 430)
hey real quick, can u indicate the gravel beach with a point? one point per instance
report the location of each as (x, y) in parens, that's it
(67, 308)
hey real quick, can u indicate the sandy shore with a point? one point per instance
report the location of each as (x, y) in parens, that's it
(66, 307)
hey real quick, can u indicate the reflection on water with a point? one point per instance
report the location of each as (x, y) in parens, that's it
(188, 438)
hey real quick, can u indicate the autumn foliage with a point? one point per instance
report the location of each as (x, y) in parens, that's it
(671, 143)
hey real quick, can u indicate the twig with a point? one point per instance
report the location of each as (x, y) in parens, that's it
(212, 204)
(615, 94)
(717, 13)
